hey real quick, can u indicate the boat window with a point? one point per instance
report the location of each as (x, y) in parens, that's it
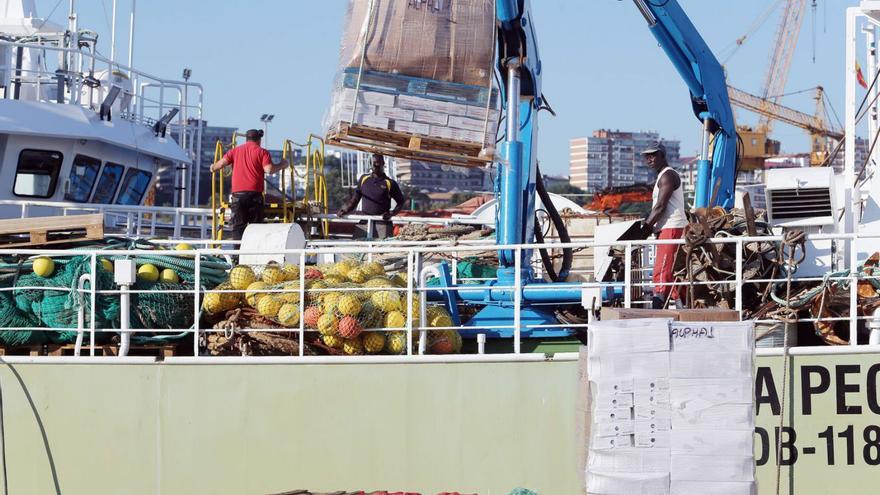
(111, 176)
(82, 178)
(37, 173)
(133, 187)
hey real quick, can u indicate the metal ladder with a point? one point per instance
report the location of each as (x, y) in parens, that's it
(288, 209)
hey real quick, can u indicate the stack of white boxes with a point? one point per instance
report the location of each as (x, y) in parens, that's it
(671, 408)
(413, 115)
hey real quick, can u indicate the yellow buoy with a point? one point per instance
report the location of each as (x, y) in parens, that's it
(169, 276)
(241, 277)
(44, 267)
(184, 247)
(148, 272)
(107, 265)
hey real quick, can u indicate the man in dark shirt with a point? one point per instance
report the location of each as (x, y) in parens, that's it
(375, 192)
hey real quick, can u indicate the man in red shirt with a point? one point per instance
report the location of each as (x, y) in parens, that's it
(250, 164)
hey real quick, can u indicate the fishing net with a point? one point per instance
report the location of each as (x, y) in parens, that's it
(32, 302)
(356, 307)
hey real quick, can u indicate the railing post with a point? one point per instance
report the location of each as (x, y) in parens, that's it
(517, 300)
(93, 266)
(197, 285)
(627, 275)
(853, 293)
(739, 277)
(177, 224)
(302, 303)
(410, 262)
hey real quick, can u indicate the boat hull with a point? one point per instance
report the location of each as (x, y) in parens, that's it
(472, 427)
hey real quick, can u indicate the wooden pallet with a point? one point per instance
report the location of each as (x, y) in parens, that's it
(408, 146)
(39, 231)
(157, 351)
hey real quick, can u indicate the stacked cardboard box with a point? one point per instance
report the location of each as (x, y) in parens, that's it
(420, 67)
(671, 407)
(416, 115)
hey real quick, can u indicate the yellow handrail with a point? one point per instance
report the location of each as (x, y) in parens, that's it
(315, 187)
(287, 154)
(217, 196)
(218, 204)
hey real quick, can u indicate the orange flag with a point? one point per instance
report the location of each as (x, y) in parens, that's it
(860, 76)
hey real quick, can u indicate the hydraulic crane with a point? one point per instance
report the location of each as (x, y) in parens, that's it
(518, 180)
(704, 77)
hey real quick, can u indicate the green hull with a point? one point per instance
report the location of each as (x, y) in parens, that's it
(472, 427)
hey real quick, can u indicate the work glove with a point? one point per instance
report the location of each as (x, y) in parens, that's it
(341, 213)
(386, 216)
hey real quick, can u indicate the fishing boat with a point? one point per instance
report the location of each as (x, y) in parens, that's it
(81, 134)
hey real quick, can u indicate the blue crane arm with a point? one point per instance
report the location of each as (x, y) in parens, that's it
(704, 77)
(520, 69)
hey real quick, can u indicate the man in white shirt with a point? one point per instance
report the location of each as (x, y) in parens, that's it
(667, 220)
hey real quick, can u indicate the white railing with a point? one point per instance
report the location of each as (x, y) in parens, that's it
(141, 221)
(195, 223)
(418, 266)
(83, 65)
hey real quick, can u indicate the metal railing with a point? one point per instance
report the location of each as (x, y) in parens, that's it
(140, 221)
(78, 79)
(419, 266)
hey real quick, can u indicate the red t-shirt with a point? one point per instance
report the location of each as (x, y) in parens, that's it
(247, 162)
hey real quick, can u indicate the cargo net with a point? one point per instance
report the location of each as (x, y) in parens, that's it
(44, 293)
(350, 307)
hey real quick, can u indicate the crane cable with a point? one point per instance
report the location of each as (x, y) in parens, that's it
(753, 28)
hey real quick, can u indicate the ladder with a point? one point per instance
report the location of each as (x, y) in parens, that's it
(288, 210)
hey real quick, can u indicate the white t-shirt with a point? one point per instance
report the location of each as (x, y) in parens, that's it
(673, 217)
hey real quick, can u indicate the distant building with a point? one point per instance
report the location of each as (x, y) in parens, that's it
(442, 178)
(687, 169)
(613, 159)
(861, 156)
(210, 136)
(551, 181)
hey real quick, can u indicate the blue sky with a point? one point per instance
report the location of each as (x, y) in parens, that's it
(603, 69)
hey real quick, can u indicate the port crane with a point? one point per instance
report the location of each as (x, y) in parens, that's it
(816, 125)
(518, 182)
(757, 144)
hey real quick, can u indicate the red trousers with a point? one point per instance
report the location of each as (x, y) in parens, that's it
(663, 263)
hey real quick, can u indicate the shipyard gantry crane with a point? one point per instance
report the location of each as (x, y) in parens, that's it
(780, 62)
(757, 144)
(816, 125)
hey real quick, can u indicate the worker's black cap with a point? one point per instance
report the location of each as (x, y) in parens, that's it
(655, 147)
(254, 135)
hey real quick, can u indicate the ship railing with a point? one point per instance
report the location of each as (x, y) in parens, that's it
(188, 223)
(418, 265)
(141, 221)
(152, 97)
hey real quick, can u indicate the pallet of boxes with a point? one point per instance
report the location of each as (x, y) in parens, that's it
(667, 407)
(415, 81)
